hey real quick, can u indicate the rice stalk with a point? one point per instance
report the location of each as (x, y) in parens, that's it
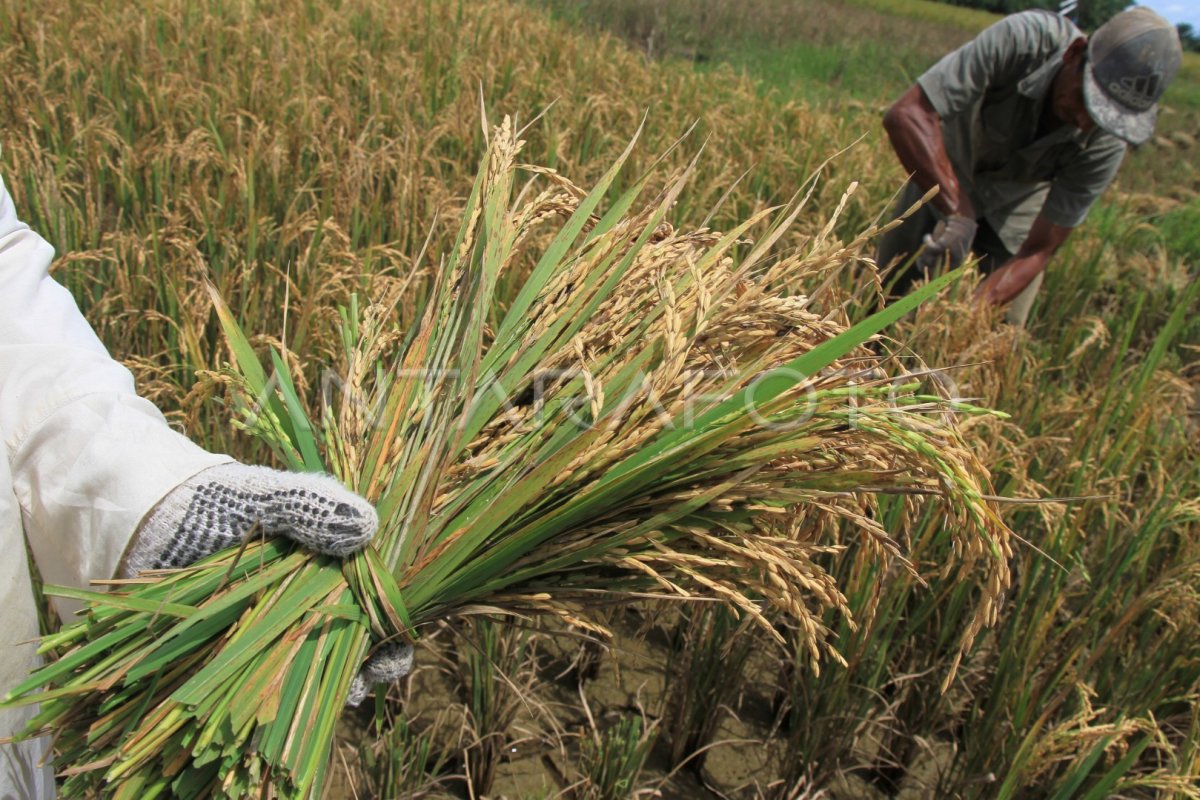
(496, 669)
(708, 653)
(611, 761)
(642, 417)
(402, 761)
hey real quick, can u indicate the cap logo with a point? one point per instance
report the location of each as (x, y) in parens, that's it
(1137, 93)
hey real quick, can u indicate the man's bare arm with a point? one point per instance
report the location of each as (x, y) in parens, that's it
(1010, 280)
(915, 131)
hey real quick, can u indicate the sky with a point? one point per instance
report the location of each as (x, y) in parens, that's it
(1176, 11)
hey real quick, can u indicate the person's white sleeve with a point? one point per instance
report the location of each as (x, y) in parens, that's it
(89, 458)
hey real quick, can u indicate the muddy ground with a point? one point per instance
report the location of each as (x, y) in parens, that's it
(539, 750)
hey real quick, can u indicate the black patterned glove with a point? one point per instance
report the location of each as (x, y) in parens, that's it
(950, 243)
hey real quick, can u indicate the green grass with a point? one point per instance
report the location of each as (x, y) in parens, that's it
(1180, 231)
(812, 50)
(830, 74)
(1184, 92)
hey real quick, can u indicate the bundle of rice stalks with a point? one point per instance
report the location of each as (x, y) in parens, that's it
(644, 416)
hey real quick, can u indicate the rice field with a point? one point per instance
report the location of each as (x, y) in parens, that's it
(309, 159)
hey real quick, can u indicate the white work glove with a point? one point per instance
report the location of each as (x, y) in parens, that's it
(950, 243)
(221, 506)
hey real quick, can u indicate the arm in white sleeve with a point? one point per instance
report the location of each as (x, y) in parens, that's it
(89, 458)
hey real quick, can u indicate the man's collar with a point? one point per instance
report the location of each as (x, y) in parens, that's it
(1036, 86)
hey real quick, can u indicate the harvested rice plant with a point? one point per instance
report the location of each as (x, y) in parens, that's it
(580, 295)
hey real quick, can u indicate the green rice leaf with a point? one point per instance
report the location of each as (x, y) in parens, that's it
(126, 602)
(301, 426)
(305, 592)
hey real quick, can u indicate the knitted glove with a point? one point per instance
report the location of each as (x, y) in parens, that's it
(950, 241)
(221, 505)
(389, 664)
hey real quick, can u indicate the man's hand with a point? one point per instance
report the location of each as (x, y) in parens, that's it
(388, 664)
(950, 242)
(1011, 278)
(996, 288)
(220, 506)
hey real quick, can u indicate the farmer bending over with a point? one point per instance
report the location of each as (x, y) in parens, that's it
(1022, 128)
(98, 485)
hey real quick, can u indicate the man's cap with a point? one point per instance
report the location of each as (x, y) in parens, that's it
(1131, 60)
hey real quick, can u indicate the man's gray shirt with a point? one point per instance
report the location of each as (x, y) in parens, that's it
(990, 94)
